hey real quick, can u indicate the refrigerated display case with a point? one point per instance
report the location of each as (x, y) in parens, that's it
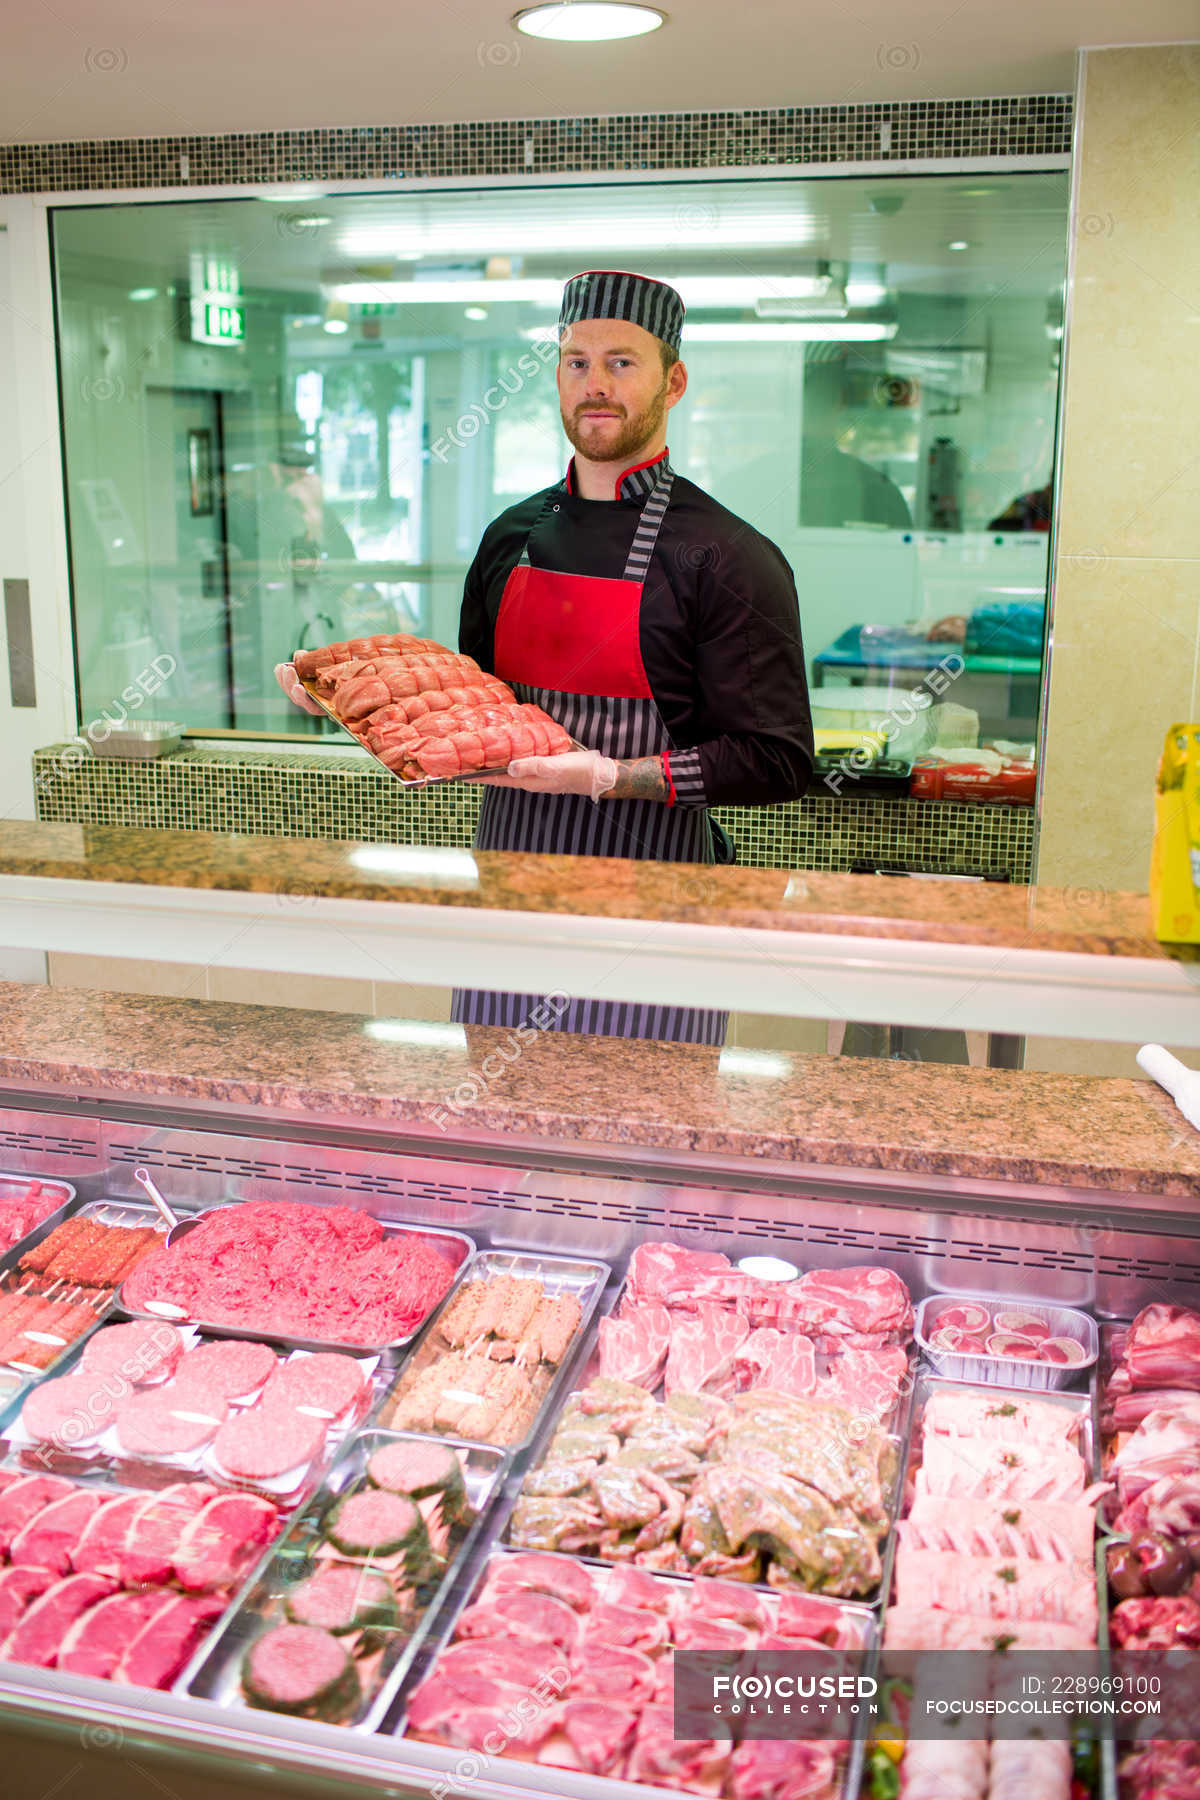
(1100, 1254)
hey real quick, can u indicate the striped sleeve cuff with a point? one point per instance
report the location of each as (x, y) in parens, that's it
(686, 777)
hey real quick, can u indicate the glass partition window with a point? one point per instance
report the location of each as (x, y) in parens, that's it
(288, 423)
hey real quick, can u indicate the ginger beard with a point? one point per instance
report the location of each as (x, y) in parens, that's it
(618, 440)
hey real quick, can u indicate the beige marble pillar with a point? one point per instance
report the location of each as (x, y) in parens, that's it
(1126, 600)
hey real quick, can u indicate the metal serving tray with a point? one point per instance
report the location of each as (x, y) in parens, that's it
(560, 1275)
(107, 1212)
(598, 1786)
(145, 1470)
(459, 1248)
(215, 1671)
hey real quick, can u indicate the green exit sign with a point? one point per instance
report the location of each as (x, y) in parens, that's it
(217, 321)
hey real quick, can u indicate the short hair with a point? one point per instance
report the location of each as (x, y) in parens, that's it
(670, 356)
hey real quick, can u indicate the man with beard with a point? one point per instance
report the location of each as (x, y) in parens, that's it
(660, 629)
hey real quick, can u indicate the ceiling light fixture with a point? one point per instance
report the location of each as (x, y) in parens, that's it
(958, 244)
(146, 293)
(589, 21)
(475, 312)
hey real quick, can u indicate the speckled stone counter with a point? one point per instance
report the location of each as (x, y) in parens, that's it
(1073, 919)
(596, 1093)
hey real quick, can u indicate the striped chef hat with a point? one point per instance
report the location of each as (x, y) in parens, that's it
(616, 294)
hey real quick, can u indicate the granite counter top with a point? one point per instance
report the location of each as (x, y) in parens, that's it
(1084, 920)
(488, 1086)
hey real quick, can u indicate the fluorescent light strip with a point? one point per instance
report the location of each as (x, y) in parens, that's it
(669, 230)
(695, 290)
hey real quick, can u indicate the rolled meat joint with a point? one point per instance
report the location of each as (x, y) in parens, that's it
(398, 681)
(331, 681)
(309, 662)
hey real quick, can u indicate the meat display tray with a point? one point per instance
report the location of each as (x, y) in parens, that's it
(64, 1199)
(581, 1784)
(454, 1244)
(583, 1278)
(131, 1213)
(215, 1671)
(1009, 1371)
(147, 1470)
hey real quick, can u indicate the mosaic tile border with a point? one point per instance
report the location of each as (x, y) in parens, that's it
(342, 797)
(884, 131)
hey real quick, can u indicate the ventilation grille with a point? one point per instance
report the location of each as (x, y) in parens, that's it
(611, 1215)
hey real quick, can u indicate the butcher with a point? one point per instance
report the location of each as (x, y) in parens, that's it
(661, 630)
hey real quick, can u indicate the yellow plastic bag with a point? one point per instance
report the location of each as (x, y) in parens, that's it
(1175, 860)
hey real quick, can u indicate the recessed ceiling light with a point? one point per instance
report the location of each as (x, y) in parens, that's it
(959, 244)
(589, 21)
(475, 312)
(143, 293)
(335, 327)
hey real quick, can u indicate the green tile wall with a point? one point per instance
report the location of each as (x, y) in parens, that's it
(347, 797)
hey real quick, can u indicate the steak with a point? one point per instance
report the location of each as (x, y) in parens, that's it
(766, 1769)
(101, 1545)
(154, 1657)
(626, 1628)
(610, 1673)
(634, 1346)
(18, 1586)
(657, 1271)
(785, 1361)
(1163, 1348)
(21, 1499)
(866, 1381)
(598, 1734)
(219, 1541)
(267, 1442)
(662, 1760)
(49, 1538)
(527, 1617)
(560, 1576)
(43, 1625)
(167, 1421)
(703, 1352)
(95, 1642)
(624, 1586)
(154, 1529)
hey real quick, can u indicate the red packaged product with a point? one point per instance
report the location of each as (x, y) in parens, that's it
(1016, 785)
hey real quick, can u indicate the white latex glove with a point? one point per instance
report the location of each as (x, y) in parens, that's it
(289, 681)
(583, 772)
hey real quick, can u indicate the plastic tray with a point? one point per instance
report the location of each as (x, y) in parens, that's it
(456, 1244)
(572, 1780)
(582, 1277)
(108, 1212)
(152, 1471)
(1009, 1371)
(215, 1672)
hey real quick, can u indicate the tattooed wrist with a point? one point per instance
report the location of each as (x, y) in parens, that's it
(640, 778)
